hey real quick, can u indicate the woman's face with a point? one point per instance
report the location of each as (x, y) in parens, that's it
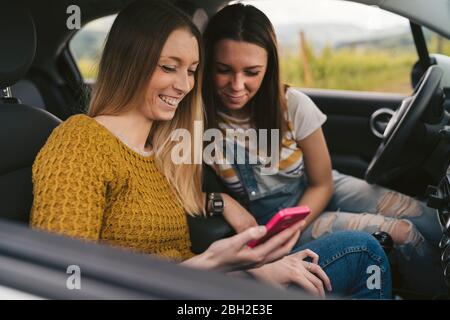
(239, 69)
(173, 77)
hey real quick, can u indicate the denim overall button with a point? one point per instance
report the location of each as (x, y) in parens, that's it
(253, 193)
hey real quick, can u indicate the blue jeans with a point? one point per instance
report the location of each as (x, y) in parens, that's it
(355, 263)
(357, 205)
(415, 228)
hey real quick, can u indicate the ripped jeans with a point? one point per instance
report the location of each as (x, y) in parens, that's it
(357, 205)
(414, 227)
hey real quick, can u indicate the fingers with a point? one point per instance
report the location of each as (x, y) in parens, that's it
(308, 280)
(291, 243)
(307, 253)
(282, 237)
(314, 267)
(284, 249)
(306, 284)
(299, 225)
(233, 253)
(289, 238)
(316, 282)
(253, 233)
(274, 248)
(277, 241)
(317, 270)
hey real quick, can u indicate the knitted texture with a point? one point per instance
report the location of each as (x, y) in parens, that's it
(88, 184)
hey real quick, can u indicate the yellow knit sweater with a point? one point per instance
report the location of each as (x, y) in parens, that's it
(90, 185)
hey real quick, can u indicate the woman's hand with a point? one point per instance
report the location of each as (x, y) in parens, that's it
(233, 254)
(240, 219)
(294, 270)
(236, 215)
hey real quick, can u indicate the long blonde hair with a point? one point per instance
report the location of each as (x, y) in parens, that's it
(131, 54)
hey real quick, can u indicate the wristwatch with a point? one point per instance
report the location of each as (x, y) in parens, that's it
(214, 204)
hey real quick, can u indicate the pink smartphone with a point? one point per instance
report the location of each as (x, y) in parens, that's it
(280, 221)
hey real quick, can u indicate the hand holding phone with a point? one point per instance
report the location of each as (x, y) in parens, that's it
(280, 221)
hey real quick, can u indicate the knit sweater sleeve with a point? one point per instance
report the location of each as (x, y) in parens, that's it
(70, 180)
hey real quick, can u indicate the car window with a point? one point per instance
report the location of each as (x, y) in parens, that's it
(332, 44)
(437, 43)
(326, 44)
(87, 44)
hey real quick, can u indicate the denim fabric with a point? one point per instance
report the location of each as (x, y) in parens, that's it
(261, 201)
(417, 259)
(357, 205)
(348, 258)
(262, 189)
(355, 195)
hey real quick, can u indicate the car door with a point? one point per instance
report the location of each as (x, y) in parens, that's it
(348, 130)
(39, 265)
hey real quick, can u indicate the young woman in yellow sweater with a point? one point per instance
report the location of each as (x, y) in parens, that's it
(108, 176)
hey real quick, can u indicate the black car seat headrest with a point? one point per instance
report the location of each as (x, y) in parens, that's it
(17, 42)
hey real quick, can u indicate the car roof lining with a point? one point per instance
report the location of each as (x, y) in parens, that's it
(433, 14)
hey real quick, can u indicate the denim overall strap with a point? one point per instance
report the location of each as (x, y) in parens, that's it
(264, 207)
(243, 170)
(264, 204)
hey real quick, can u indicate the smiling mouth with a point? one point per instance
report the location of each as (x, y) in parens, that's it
(234, 97)
(173, 102)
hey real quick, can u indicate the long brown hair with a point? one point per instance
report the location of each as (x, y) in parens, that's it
(246, 23)
(132, 51)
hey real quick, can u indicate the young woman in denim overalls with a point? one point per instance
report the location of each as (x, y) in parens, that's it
(242, 92)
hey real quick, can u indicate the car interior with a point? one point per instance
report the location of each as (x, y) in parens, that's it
(369, 135)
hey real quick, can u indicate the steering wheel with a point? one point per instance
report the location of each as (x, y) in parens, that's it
(400, 128)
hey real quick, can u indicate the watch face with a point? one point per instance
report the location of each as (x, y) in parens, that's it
(217, 203)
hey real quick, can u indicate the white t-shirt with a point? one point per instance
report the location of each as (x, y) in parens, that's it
(303, 117)
(303, 113)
